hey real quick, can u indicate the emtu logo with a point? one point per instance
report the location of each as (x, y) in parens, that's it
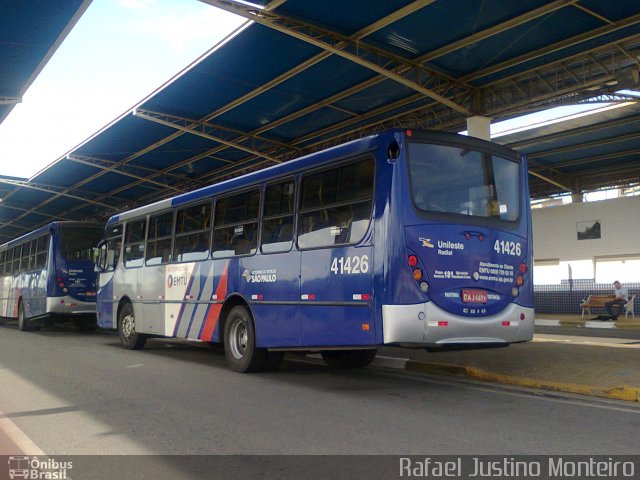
(176, 281)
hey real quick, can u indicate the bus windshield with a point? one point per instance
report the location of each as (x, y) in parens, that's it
(453, 179)
(76, 242)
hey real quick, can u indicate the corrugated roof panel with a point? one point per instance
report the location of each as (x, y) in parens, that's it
(517, 41)
(65, 173)
(611, 10)
(629, 32)
(338, 15)
(337, 75)
(123, 138)
(183, 147)
(245, 63)
(29, 33)
(441, 23)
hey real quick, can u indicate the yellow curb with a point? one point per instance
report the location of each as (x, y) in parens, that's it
(629, 394)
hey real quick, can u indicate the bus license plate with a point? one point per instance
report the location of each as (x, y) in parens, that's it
(474, 296)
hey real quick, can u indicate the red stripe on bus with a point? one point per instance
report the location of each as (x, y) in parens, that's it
(214, 312)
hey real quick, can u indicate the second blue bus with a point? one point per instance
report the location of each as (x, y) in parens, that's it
(49, 275)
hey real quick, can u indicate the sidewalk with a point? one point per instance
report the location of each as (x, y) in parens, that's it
(568, 320)
(602, 367)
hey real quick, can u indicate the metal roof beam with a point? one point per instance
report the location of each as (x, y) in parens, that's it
(583, 145)
(550, 180)
(596, 158)
(414, 75)
(368, 30)
(496, 29)
(575, 131)
(214, 133)
(108, 166)
(584, 37)
(57, 191)
(9, 100)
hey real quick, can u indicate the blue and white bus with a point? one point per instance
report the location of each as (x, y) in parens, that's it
(49, 274)
(417, 239)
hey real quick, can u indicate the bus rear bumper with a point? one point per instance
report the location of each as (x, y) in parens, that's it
(70, 306)
(427, 325)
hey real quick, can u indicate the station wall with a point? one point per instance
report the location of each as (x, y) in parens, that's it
(555, 230)
(580, 248)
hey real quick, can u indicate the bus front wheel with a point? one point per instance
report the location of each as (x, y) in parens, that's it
(348, 358)
(129, 338)
(240, 342)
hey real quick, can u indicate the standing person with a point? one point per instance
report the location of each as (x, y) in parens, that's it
(622, 295)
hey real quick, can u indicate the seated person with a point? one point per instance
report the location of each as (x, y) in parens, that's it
(622, 295)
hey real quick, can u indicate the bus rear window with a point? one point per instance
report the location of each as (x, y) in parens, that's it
(76, 242)
(457, 180)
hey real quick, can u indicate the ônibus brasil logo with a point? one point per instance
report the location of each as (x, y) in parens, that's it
(36, 469)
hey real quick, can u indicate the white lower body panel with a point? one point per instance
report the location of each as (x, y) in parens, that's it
(70, 306)
(426, 324)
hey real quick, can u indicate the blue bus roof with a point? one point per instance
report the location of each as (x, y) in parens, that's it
(349, 149)
(47, 228)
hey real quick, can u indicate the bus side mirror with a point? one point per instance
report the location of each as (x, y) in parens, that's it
(98, 254)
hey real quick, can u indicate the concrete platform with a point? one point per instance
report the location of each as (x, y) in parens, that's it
(595, 366)
(567, 320)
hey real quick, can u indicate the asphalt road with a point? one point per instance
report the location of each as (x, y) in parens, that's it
(81, 393)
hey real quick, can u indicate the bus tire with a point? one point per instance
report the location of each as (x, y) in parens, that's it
(129, 338)
(240, 342)
(348, 358)
(24, 324)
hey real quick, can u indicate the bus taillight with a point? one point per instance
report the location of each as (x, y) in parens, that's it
(413, 260)
(519, 280)
(417, 274)
(523, 268)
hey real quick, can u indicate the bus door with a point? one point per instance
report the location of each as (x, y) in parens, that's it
(268, 281)
(152, 278)
(271, 281)
(132, 275)
(336, 272)
(109, 256)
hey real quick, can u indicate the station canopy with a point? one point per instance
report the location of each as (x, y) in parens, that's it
(302, 76)
(30, 32)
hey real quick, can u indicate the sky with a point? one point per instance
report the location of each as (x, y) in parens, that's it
(119, 52)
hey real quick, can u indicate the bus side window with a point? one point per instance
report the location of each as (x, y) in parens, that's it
(134, 243)
(192, 233)
(342, 211)
(159, 238)
(235, 229)
(42, 246)
(8, 262)
(15, 266)
(277, 223)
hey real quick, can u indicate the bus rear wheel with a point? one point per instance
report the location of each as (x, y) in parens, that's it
(240, 342)
(129, 338)
(348, 358)
(23, 323)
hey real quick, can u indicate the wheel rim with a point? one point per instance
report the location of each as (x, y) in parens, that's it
(128, 326)
(238, 340)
